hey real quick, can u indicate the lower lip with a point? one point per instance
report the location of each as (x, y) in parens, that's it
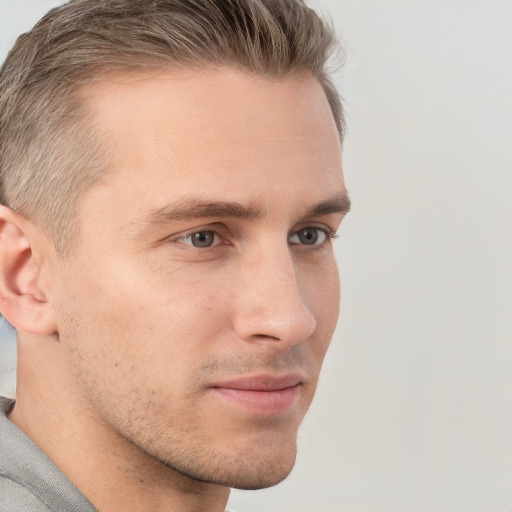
(264, 403)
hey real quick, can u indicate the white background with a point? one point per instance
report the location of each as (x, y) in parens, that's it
(414, 410)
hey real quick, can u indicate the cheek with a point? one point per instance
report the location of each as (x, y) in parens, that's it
(141, 320)
(321, 287)
(323, 299)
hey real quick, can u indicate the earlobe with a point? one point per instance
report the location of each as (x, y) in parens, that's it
(22, 301)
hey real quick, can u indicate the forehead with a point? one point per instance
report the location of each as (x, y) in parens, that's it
(216, 129)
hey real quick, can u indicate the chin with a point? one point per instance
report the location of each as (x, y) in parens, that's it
(267, 475)
(254, 484)
(248, 470)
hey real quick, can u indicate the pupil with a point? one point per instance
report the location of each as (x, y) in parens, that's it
(308, 236)
(203, 239)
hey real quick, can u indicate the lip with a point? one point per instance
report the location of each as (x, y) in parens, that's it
(262, 395)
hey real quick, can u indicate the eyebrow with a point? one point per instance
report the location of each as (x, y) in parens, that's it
(196, 209)
(340, 203)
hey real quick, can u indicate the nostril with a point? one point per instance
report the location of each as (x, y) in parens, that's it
(266, 337)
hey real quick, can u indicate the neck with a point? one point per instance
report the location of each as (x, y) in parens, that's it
(111, 472)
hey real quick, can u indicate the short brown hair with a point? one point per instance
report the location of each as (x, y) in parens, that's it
(48, 154)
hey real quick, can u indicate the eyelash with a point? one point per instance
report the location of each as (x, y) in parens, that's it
(329, 235)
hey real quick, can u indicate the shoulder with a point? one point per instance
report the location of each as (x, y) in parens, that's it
(16, 498)
(29, 481)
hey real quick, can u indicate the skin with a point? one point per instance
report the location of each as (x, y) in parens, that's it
(139, 334)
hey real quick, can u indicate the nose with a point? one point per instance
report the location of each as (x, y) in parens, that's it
(270, 304)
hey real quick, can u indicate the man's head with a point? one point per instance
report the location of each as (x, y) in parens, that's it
(195, 170)
(48, 153)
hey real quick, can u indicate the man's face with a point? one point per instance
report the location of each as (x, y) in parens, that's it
(199, 305)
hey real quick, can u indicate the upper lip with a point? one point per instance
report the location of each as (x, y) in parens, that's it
(261, 382)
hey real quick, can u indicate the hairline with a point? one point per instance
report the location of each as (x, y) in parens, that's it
(84, 91)
(77, 143)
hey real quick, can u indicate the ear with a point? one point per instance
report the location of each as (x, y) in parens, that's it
(22, 301)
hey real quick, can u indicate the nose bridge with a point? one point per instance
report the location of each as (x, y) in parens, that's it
(272, 304)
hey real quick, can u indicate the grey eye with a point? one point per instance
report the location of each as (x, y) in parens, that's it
(308, 236)
(200, 239)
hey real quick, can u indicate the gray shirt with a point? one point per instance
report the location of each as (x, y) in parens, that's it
(29, 481)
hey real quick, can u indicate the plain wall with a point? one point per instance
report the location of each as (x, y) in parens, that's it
(414, 409)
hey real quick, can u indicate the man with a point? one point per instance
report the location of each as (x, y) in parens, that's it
(171, 182)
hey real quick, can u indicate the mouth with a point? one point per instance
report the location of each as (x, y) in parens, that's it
(262, 395)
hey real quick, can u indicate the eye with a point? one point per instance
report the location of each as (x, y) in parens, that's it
(309, 236)
(201, 239)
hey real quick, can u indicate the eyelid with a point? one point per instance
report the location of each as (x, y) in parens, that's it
(330, 231)
(218, 230)
(189, 238)
(221, 231)
(329, 235)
